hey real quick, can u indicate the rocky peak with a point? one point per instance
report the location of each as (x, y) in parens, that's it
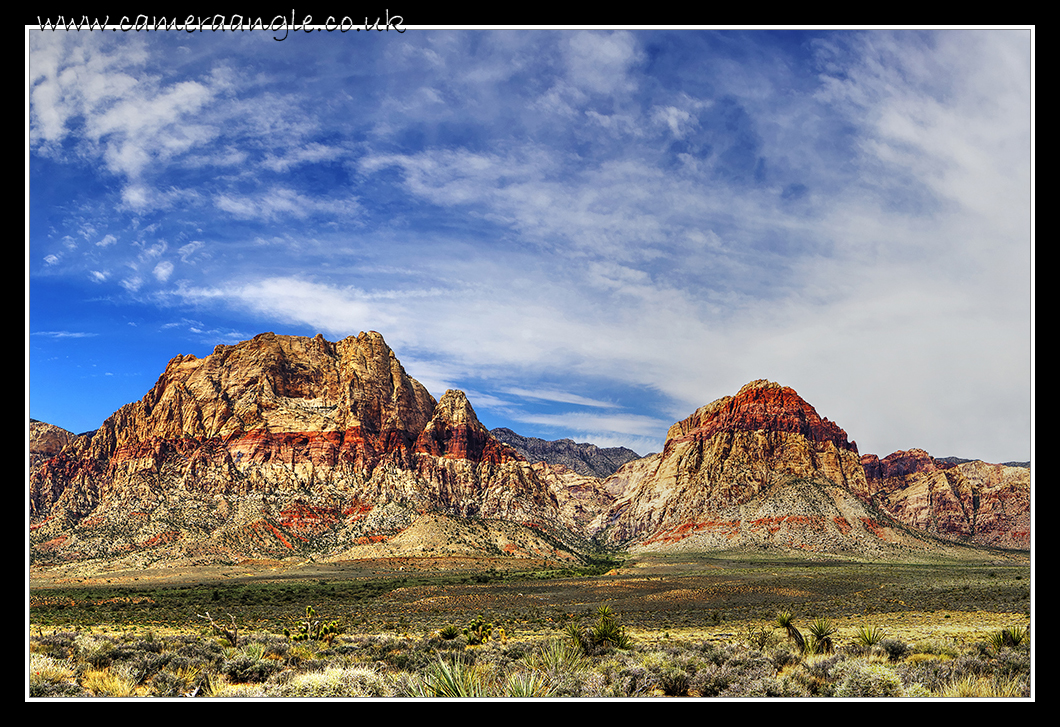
(952, 498)
(761, 405)
(732, 452)
(900, 464)
(455, 432)
(274, 445)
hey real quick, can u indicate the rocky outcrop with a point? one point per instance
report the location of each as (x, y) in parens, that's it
(582, 458)
(46, 441)
(758, 468)
(966, 501)
(277, 445)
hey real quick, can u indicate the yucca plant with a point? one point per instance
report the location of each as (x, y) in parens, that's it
(558, 656)
(449, 632)
(529, 684)
(821, 633)
(1007, 638)
(785, 621)
(451, 679)
(869, 636)
(608, 632)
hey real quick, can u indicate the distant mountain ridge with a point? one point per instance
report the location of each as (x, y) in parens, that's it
(583, 458)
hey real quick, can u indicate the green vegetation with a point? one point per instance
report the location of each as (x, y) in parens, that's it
(706, 627)
(269, 665)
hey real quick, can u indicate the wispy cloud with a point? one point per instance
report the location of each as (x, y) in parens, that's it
(64, 334)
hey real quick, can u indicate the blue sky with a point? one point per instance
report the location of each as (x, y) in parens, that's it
(591, 232)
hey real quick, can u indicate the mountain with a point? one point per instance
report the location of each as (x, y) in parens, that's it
(955, 499)
(760, 468)
(276, 446)
(46, 441)
(292, 446)
(582, 458)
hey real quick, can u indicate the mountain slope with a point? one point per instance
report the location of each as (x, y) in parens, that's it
(274, 446)
(760, 468)
(962, 500)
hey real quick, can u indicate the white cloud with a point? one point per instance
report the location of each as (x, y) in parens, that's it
(163, 270)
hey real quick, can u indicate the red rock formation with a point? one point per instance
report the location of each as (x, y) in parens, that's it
(760, 405)
(269, 444)
(972, 502)
(742, 462)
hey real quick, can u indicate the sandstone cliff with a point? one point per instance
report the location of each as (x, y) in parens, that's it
(758, 468)
(961, 500)
(46, 441)
(277, 445)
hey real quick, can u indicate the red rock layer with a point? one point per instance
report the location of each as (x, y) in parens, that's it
(456, 433)
(760, 406)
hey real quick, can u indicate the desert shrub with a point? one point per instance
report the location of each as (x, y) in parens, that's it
(249, 665)
(674, 682)
(855, 678)
(449, 632)
(764, 686)
(935, 647)
(917, 691)
(715, 653)
(760, 638)
(985, 687)
(95, 651)
(61, 645)
(635, 681)
(783, 655)
(174, 683)
(734, 677)
(895, 649)
(109, 682)
(818, 674)
(49, 677)
(355, 681)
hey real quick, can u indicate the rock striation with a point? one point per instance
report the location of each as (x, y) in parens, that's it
(581, 458)
(275, 446)
(967, 501)
(760, 468)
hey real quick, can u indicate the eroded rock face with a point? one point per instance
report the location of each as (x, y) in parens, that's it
(273, 446)
(729, 462)
(960, 500)
(46, 441)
